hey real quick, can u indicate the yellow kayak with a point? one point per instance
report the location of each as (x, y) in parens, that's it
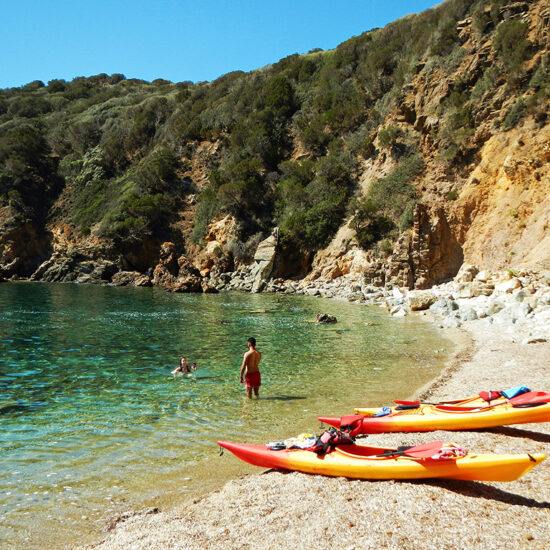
(526, 408)
(362, 462)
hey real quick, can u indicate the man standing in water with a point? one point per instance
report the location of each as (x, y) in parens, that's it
(251, 360)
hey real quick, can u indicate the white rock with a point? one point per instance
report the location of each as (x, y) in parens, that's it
(396, 293)
(482, 276)
(399, 312)
(466, 273)
(508, 286)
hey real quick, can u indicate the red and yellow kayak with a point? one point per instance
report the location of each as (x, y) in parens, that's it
(362, 462)
(526, 408)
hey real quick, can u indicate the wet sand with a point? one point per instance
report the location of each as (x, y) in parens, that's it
(292, 510)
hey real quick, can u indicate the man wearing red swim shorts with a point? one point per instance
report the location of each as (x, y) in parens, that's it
(251, 360)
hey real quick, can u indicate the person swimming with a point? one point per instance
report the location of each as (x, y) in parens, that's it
(184, 367)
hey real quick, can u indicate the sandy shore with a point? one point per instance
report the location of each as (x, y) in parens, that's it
(291, 510)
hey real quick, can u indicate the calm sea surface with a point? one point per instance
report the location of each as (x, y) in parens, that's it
(92, 423)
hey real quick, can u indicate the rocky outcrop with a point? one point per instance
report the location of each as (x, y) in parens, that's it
(22, 245)
(264, 259)
(74, 267)
(177, 274)
(427, 255)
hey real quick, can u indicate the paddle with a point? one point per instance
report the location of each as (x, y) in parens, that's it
(425, 450)
(402, 402)
(531, 397)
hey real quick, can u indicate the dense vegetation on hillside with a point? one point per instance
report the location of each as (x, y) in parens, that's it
(290, 136)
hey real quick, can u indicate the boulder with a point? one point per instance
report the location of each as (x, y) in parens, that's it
(74, 267)
(264, 258)
(443, 306)
(468, 290)
(508, 286)
(468, 314)
(421, 299)
(163, 277)
(166, 271)
(494, 307)
(466, 273)
(482, 276)
(398, 311)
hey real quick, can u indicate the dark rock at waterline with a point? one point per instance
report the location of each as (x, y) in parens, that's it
(74, 267)
(324, 318)
(130, 278)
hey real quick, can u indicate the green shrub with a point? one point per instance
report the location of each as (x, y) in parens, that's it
(515, 115)
(407, 217)
(369, 224)
(389, 204)
(386, 247)
(311, 212)
(207, 208)
(452, 195)
(387, 136)
(29, 106)
(541, 77)
(512, 46)
(482, 21)
(394, 192)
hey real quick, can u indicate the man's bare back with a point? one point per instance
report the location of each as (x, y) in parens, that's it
(251, 361)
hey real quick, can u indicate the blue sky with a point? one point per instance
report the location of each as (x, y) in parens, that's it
(175, 40)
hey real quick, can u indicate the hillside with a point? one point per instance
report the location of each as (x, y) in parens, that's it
(396, 157)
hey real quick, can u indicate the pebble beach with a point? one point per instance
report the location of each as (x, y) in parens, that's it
(282, 510)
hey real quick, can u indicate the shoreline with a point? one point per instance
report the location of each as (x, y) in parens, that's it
(288, 510)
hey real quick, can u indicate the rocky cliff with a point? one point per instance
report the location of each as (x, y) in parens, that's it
(455, 157)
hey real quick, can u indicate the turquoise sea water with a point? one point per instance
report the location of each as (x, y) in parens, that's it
(93, 424)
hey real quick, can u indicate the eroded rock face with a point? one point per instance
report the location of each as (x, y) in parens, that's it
(177, 273)
(429, 254)
(22, 246)
(74, 267)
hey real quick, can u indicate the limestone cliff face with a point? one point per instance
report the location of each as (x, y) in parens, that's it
(491, 210)
(502, 215)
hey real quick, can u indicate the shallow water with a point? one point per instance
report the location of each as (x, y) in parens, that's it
(93, 423)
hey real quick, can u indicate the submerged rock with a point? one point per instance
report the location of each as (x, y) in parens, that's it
(324, 318)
